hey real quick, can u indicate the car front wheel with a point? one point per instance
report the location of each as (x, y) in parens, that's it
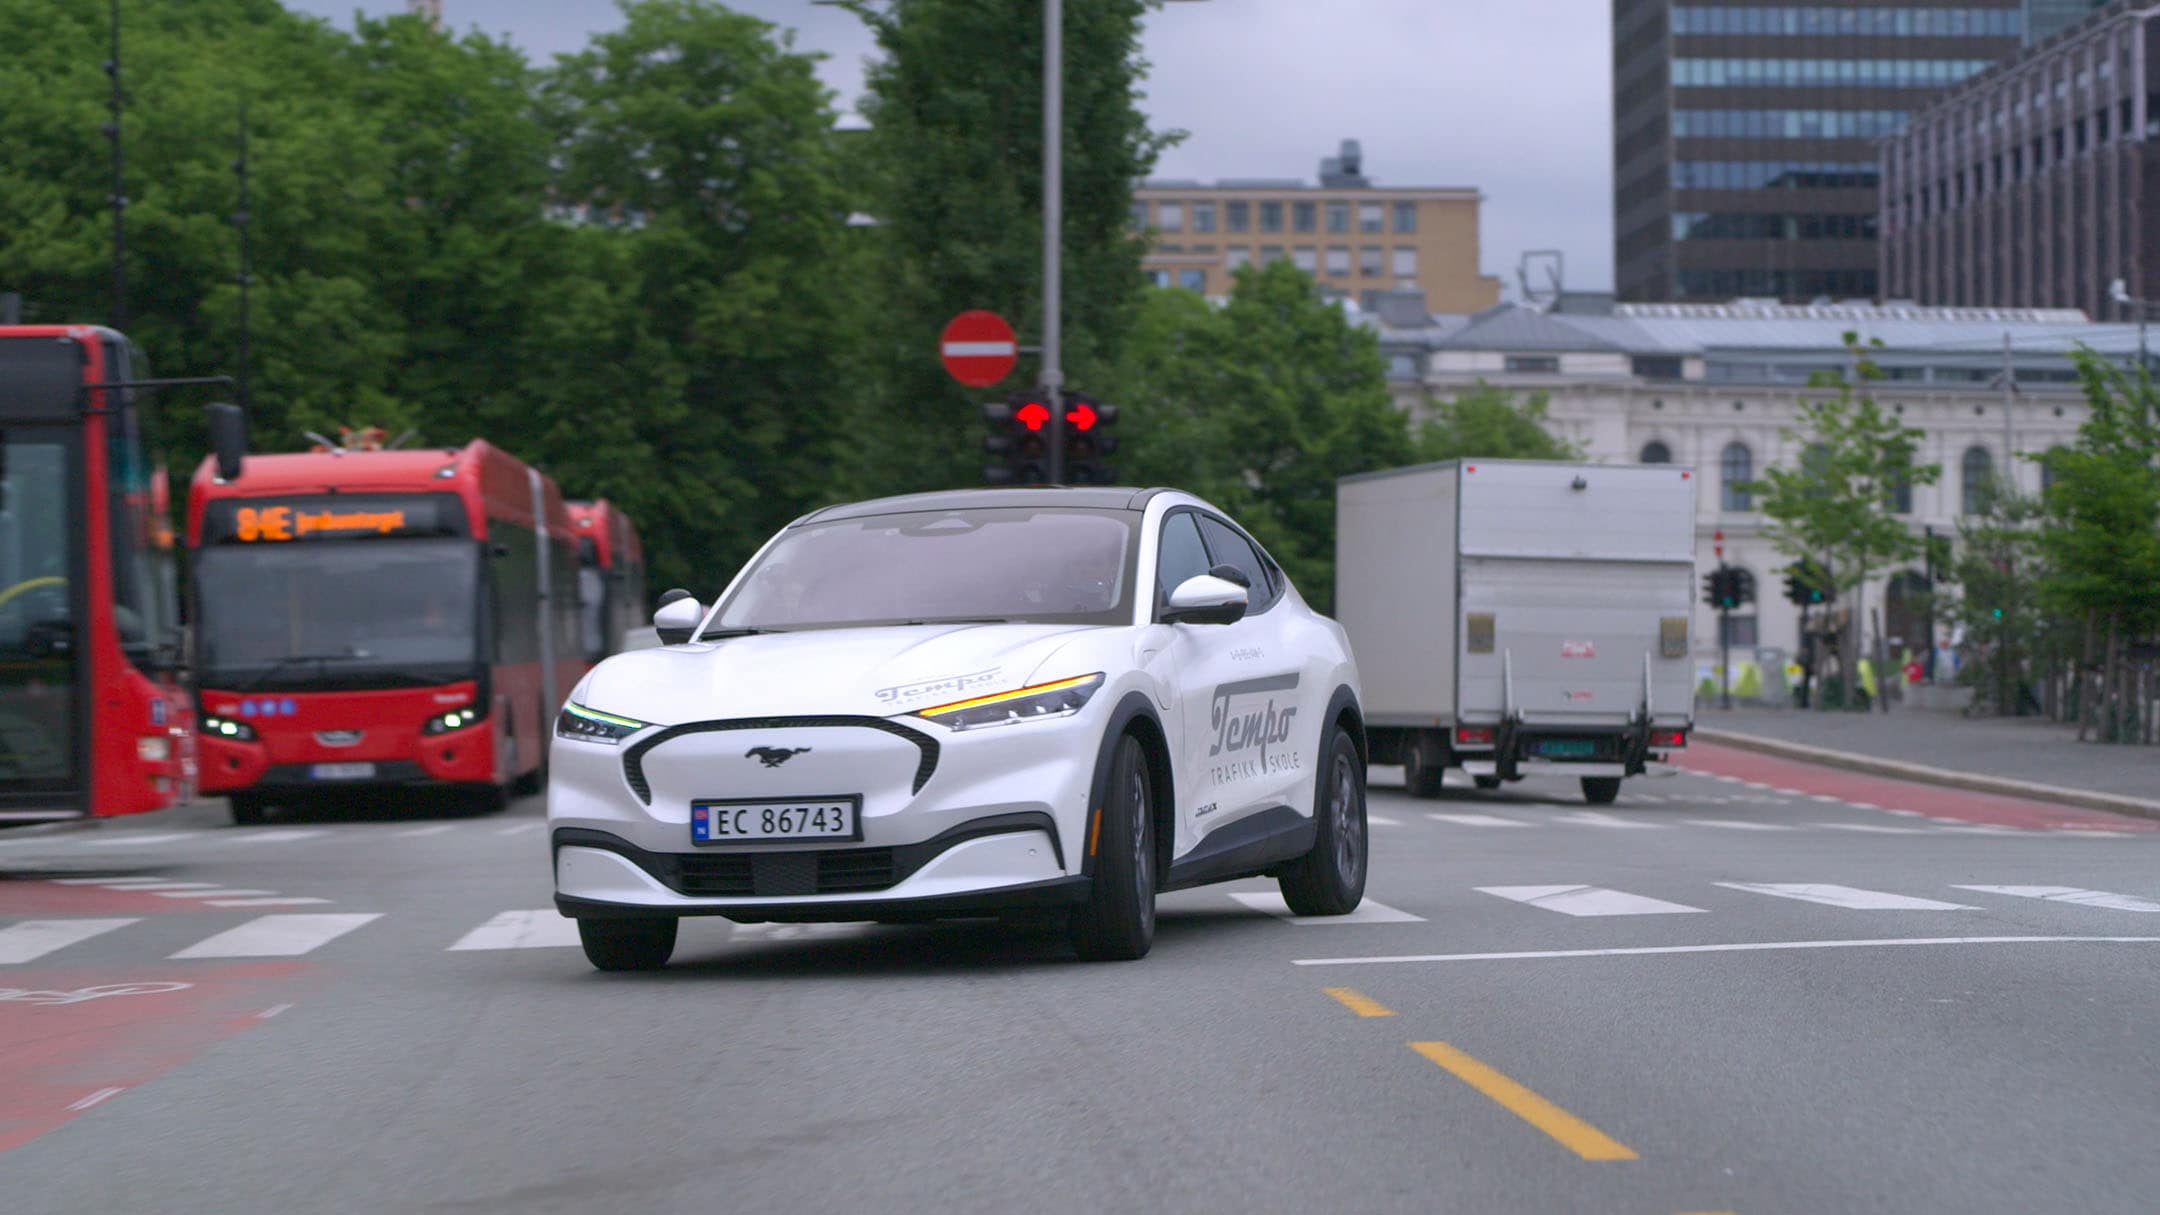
(1117, 923)
(1330, 880)
(639, 944)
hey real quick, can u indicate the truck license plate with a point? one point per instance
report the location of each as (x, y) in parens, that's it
(1567, 748)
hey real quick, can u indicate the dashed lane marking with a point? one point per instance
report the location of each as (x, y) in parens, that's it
(1731, 947)
(432, 829)
(517, 828)
(1368, 912)
(33, 939)
(277, 901)
(280, 835)
(1852, 897)
(1598, 818)
(1873, 828)
(521, 930)
(1734, 824)
(215, 892)
(94, 1098)
(1565, 1128)
(1474, 820)
(136, 839)
(2072, 894)
(1358, 1002)
(1587, 901)
(1382, 820)
(279, 936)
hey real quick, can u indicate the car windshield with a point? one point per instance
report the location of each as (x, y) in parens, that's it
(350, 613)
(1045, 565)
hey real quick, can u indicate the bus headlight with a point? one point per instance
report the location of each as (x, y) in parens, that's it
(227, 728)
(455, 719)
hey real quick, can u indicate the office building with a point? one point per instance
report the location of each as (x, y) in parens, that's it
(2046, 18)
(1744, 136)
(2033, 185)
(1356, 238)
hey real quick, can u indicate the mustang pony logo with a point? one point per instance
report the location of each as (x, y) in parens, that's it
(773, 757)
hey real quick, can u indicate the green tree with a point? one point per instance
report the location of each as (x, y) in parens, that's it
(1999, 570)
(1259, 406)
(1485, 423)
(1837, 504)
(953, 175)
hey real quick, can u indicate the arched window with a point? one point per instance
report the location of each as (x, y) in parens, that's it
(1978, 475)
(1655, 452)
(1738, 469)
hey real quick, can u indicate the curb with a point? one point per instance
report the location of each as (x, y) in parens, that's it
(2000, 786)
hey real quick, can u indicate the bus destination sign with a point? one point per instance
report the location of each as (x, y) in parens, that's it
(332, 517)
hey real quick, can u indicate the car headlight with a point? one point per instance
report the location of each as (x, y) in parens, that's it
(454, 719)
(227, 728)
(1059, 698)
(591, 725)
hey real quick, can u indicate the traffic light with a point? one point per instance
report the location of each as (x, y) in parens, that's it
(1728, 587)
(1808, 584)
(1743, 587)
(1087, 440)
(1018, 440)
(1713, 587)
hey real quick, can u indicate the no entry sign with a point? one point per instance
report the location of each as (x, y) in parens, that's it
(978, 348)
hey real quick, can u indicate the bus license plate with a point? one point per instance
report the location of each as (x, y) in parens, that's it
(760, 822)
(342, 771)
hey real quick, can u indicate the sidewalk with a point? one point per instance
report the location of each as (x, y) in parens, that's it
(2028, 751)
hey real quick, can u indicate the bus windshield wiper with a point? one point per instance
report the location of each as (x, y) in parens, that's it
(292, 660)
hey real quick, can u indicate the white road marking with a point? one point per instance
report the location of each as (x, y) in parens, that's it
(212, 893)
(517, 828)
(1646, 799)
(1598, 818)
(138, 838)
(1756, 784)
(433, 829)
(1874, 828)
(1735, 824)
(2062, 829)
(278, 901)
(1735, 947)
(280, 835)
(1824, 797)
(1368, 912)
(33, 939)
(521, 930)
(278, 936)
(1474, 820)
(96, 1097)
(105, 881)
(1863, 805)
(1850, 897)
(1968, 830)
(156, 887)
(1904, 813)
(1587, 901)
(271, 1011)
(2072, 894)
(1383, 820)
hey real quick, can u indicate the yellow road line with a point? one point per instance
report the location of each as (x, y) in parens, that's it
(1573, 1133)
(1358, 1002)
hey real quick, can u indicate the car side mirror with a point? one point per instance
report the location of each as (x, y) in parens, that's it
(1206, 599)
(228, 439)
(677, 617)
(1231, 573)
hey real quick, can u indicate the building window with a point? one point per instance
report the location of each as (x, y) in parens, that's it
(1236, 255)
(1654, 452)
(1203, 217)
(1139, 215)
(1978, 477)
(1657, 367)
(1405, 261)
(1302, 216)
(1338, 217)
(1170, 217)
(1193, 280)
(1405, 217)
(1370, 218)
(1271, 217)
(1402, 366)
(1237, 217)
(1338, 260)
(1737, 467)
(1270, 254)
(1898, 494)
(1159, 278)
(2047, 468)
(1305, 258)
(1370, 261)
(1536, 364)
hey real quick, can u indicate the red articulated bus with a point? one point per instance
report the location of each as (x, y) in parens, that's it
(379, 620)
(92, 718)
(611, 577)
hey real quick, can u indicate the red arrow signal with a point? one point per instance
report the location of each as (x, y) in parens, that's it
(1081, 415)
(1034, 414)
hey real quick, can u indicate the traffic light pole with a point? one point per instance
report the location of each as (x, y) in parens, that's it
(1724, 629)
(1053, 209)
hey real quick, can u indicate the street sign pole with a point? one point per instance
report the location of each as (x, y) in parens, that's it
(1053, 208)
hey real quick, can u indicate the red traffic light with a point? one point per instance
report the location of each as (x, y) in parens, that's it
(1081, 415)
(1033, 414)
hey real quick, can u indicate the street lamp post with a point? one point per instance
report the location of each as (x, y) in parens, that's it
(1053, 213)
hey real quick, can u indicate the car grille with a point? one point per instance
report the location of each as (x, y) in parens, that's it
(786, 874)
(633, 760)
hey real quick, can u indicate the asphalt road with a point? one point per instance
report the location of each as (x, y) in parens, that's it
(1713, 996)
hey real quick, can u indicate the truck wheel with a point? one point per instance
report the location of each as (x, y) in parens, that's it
(1600, 790)
(1117, 923)
(1330, 880)
(1424, 769)
(1486, 782)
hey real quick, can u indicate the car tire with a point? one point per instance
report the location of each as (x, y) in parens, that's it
(249, 809)
(1486, 782)
(1600, 790)
(639, 944)
(1424, 769)
(1117, 922)
(1330, 880)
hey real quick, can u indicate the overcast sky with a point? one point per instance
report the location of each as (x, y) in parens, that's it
(1510, 96)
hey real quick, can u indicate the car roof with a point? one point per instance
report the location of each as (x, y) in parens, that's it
(1083, 497)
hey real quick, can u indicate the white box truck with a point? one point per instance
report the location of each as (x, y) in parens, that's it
(1515, 618)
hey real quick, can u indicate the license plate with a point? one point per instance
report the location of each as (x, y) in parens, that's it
(763, 822)
(1568, 748)
(342, 771)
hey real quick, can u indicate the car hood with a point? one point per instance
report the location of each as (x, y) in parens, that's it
(874, 672)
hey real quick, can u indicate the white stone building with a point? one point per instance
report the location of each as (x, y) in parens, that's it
(1715, 387)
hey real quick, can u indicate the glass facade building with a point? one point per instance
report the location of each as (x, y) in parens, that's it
(1745, 135)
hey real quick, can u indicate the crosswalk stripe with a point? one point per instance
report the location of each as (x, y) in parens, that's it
(1474, 820)
(105, 881)
(2072, 894)
(136, 839)
(1597, 818)
(1735, 824)
(278, 901)
(1368, 912)
(432, 829)
(214, 892)
(1382, 820)
(163, 887)
(278, 936)
(521, 930)
(33, 939)
(1587, 901)
(1850, 897)
(1874, 828)
(280, 835)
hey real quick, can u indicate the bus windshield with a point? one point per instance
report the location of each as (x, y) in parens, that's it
(348, 614)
